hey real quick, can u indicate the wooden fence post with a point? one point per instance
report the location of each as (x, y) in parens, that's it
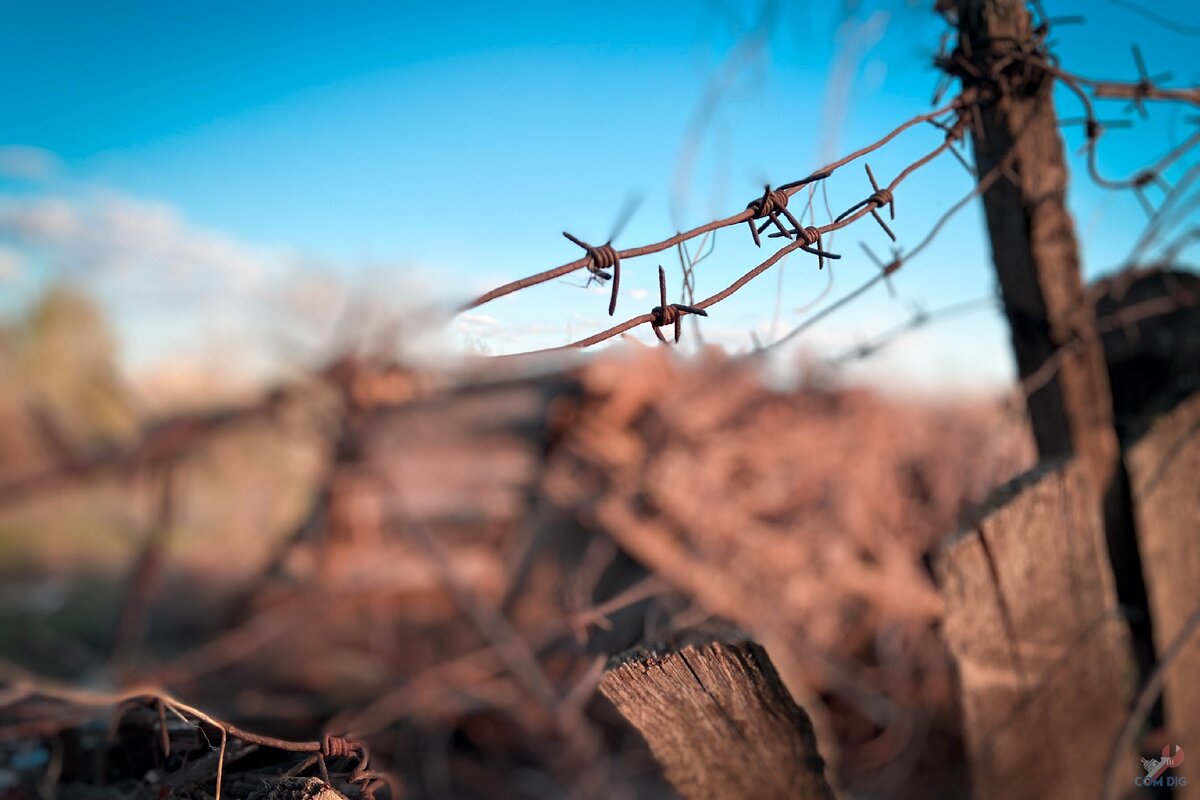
(720, 723)
(1043, 660)
(1033, 240)
(1163, 466)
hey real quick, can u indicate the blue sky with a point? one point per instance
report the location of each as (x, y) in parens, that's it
(215, 172)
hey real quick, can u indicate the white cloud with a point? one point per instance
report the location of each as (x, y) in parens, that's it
(169, 283)
(10, 264)
(115, 235)
(27, 163)
(478, 320)
(39, 221)
(177, 291)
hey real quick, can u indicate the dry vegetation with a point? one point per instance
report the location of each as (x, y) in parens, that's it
(440, 566)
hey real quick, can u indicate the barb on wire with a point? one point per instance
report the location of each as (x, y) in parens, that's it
(878, 199)
(670, 314)
(1147, 175)
(809, 240)
(1145, 84)
(1003, 66)
(601, 259)
(1136, 92)
(770, 205)
(774, 203)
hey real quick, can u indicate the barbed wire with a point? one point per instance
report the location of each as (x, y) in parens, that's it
(769, 207)
(962, 65)
(1124, 317)
(1145, 88)
(1172, 210)
(920, 318)
(1004, 67)
(899, 259)
(25, 687)
(1159, 19)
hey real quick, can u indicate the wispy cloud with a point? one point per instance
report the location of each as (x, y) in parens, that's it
(114, 235)
(174, 289)
(28, 163)
(177, 291)
(477, 320)
(10, 264)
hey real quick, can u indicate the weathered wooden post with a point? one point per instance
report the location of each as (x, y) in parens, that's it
(1033, 237)
(1031, 601)
(720, 723)
(1042, 655)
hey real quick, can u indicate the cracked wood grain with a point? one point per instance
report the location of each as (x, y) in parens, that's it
(720, 722)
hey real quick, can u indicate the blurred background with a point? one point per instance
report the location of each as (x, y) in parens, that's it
(251, 452)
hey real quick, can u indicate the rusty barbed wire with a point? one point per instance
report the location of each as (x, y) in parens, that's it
(603, 262)
(919, 319)
(1137, 93)
(1123, 318)
(750, 213)
(1000, 169)
(1171, 210)
(26, 687)
(602, 259)
(799, 239)
(771, 205)
(1007, 66)
(986, 76)
(670, 313)
(1159, 19)
(878, 199)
